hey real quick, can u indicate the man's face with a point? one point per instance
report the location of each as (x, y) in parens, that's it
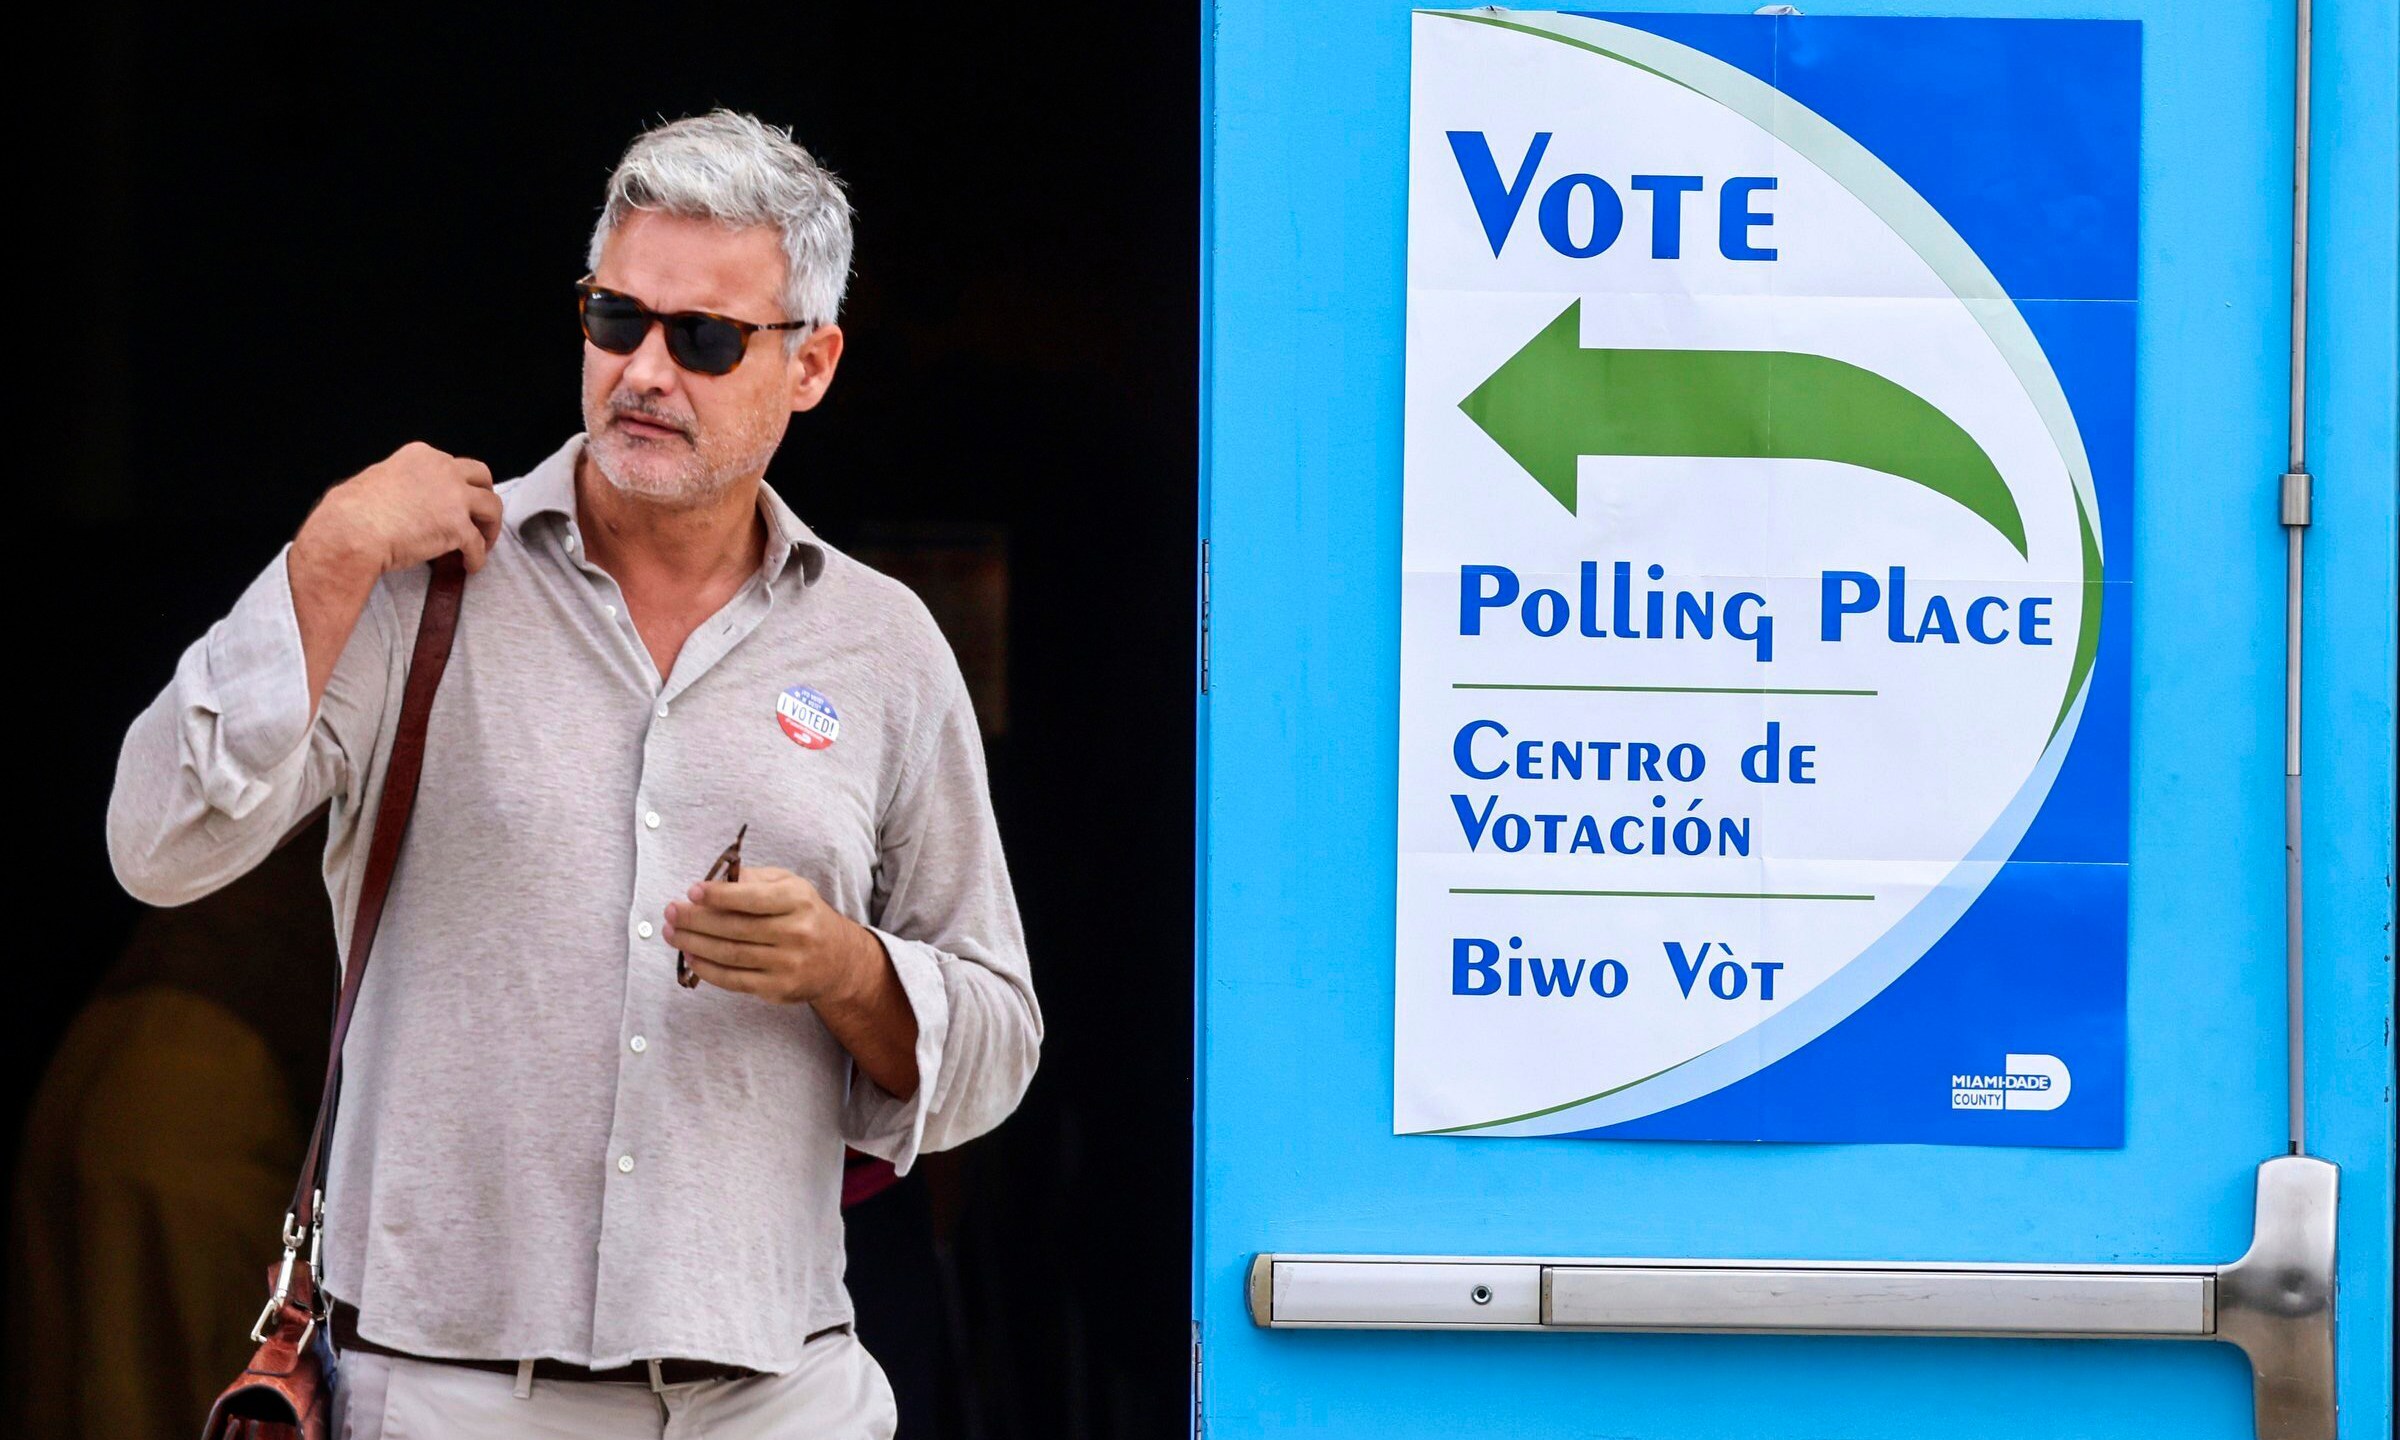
(661, 432)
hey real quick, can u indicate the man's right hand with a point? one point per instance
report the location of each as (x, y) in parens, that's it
(399, 512)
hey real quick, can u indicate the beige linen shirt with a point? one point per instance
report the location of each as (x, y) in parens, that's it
(547, 1147)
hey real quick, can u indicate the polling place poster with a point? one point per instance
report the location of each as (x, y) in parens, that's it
(1763, 745)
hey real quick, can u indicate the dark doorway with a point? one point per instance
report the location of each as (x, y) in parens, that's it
(291, 245)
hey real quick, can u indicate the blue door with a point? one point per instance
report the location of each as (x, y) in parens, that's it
(1398, 1232)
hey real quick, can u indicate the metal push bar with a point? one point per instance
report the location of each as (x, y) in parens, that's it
(2276, 1302)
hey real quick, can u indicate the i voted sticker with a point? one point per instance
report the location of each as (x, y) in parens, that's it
(808, 717)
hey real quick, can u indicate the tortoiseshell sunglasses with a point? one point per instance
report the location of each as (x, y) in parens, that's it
(699, 340)
(728, 867)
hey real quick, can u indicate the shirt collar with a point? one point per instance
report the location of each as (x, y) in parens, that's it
(549, 489)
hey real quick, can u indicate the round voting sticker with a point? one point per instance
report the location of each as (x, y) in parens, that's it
(807, 717)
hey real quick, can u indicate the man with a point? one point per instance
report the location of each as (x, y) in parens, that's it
(569, 1196)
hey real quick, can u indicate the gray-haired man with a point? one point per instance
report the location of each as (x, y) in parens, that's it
(568, 1196)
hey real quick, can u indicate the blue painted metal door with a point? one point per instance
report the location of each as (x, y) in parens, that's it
(1305, 177)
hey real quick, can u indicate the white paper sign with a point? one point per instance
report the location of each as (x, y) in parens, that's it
(1747, 544)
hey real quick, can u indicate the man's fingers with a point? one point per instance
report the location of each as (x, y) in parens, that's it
(724, 924)
(731, 954)
(762, 892)
(484, 508)
(473, 546)
(475, 473)
(479, 530)
(725, 977)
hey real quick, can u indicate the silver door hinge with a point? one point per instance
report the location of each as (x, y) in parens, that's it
(2295, 497)
(1197, 1422)
(1204, 619)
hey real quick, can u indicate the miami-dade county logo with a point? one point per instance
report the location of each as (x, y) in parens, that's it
(807, 717)
(2029, 1082)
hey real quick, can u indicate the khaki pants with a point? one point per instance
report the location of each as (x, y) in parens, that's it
(837, 1393)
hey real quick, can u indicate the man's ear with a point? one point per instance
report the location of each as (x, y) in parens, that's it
(811, 366)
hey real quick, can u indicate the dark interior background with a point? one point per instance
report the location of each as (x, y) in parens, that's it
(287, 246)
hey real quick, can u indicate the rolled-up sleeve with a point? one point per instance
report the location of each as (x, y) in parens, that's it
(947, 916)
(228, 757)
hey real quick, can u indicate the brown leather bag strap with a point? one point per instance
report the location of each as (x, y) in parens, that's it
(435, 629)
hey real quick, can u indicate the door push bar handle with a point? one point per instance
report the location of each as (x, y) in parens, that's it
(2276, 1302)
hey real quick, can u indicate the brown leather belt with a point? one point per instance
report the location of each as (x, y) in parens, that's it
(670, 1372)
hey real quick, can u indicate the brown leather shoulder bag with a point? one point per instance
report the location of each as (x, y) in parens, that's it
(285, 1394)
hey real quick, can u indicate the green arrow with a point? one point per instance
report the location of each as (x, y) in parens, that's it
(1553, 401)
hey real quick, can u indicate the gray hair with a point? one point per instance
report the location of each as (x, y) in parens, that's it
(738, 170)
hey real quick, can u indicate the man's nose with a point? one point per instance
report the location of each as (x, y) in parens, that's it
(650, 368)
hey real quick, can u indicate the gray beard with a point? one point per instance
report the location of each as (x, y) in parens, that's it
(694, 482)
(689, 484)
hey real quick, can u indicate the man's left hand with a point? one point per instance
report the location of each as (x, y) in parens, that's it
(770, 934)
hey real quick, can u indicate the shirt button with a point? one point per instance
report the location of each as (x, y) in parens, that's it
(571, 541)
(637, 1044)
(644, 930)
(609, 610)
(624, 1164)
(651, 819)
(662, 712)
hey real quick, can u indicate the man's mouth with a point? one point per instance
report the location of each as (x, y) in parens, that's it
(641, 427)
